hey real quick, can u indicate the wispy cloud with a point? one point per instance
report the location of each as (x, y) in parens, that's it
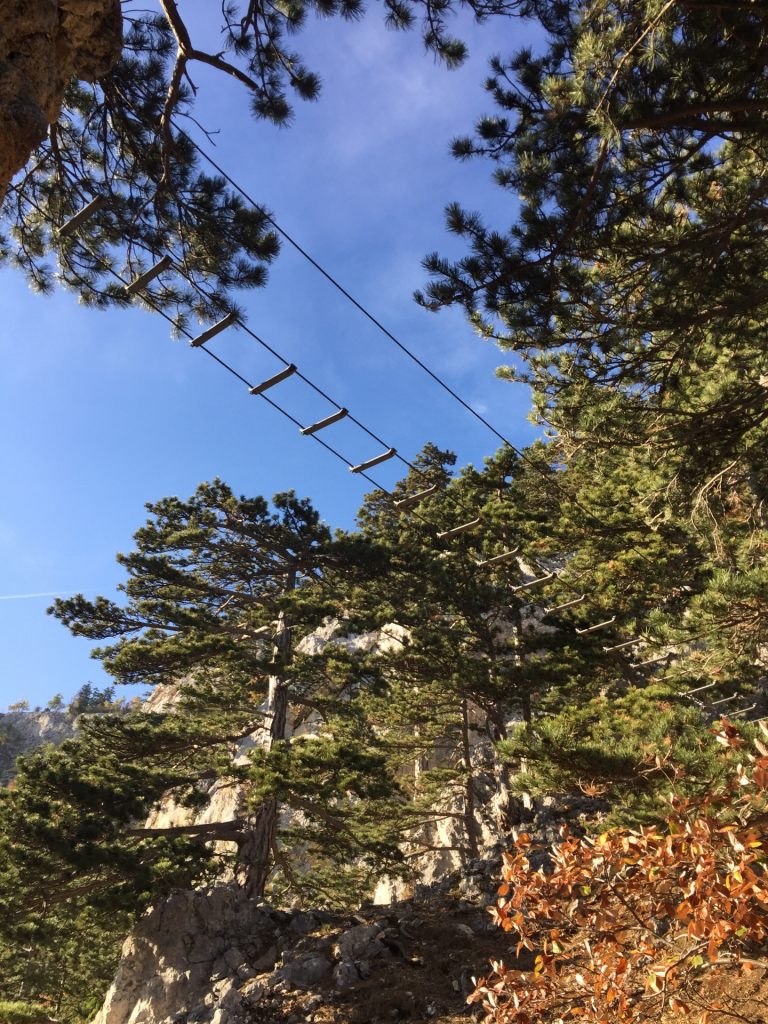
(45, 593)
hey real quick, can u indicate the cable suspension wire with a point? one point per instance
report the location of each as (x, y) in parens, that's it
(139, 284)
(95, 204)
(546, 472)
(347, 295)
(232, 318)
(290, 369)
(319, 391)
(238, 376)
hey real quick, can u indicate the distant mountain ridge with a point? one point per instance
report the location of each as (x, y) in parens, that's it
(23, 730)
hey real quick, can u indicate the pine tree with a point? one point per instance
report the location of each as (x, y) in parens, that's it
(631, 280)
(124, 139)
(59, 964)
(601, 708)
(481, 659)
(218, 591)
(630, 290)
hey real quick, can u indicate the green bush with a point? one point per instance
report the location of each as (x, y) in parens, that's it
(21, 1013)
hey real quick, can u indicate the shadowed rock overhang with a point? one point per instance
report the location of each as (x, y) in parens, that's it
(44, 44)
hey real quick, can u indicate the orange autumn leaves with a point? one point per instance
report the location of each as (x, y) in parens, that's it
(637, 923)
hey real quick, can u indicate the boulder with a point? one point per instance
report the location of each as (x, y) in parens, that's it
(170, 959)
(304, 972)
(360, 943)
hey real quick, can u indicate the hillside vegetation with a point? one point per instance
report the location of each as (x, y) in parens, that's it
(589, 607)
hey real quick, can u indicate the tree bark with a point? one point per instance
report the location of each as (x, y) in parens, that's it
(255, 857)
(470, 823)
(525, 697)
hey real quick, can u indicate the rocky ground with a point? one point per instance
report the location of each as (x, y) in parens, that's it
(214, 957)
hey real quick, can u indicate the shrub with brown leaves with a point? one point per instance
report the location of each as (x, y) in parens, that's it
(633, 925)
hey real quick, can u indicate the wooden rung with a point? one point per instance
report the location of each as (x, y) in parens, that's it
(651, 661)
(597, 625)
(321, 424)
(698, 689)
(744, 711)
(81, 216)
(532, 583)
(144, 279)
(389, 454)
(626, 643)
(271, 381)
(222, 325)
(498, 559)
(446, 534)
(567, 604)
(414, 499)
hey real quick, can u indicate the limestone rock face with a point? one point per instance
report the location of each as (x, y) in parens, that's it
(217, 957)
(495, 807)
(23, 731)
(225, 801)
(44, 44)
(175, 954)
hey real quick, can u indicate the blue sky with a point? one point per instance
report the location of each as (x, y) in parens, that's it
(101, 412)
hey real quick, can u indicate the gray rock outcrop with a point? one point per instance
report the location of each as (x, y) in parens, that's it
(216, 957)
(24, 731)
(178, 953)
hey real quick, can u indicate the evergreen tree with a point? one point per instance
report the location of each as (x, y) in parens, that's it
(603, 708)
(90, 698)
(631, 286)
(123, 139)
(60, 964)
(218, 590)
(631, 281)
(480, 653)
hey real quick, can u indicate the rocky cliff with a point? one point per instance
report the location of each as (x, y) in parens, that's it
(22, 731)
(495, 809)
(43, 45)
(215, 957)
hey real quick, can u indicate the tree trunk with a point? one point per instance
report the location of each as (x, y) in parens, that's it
(525, 697)
(254, 852)
(470, 824)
